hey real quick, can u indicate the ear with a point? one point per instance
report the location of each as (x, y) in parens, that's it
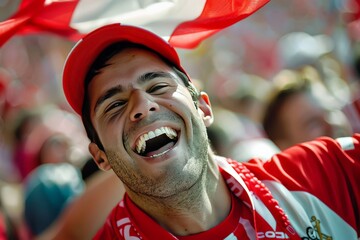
(99, 157)
(205, 109)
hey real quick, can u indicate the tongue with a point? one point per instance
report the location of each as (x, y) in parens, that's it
(161, 150)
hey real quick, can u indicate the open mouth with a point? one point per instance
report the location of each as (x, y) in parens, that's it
(156, 143)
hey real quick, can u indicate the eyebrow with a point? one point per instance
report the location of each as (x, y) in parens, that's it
(152, 75)
(141, 79)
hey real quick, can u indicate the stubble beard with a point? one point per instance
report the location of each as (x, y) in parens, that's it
(173, 180)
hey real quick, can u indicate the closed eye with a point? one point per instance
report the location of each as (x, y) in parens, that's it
(158, 88)
(116, 104)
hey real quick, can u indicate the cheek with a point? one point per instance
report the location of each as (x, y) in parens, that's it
(182, 94)
(184, 104)
(110, 133)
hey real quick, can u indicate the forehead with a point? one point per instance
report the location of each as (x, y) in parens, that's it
(124, 69)
(301, 107)
(131, 62)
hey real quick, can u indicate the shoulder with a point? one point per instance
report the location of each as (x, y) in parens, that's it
(345, 150)
(313, 165)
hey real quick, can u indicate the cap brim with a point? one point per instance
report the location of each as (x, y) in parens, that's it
(87, 49)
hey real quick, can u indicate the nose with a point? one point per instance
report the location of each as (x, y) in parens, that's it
(141, 104)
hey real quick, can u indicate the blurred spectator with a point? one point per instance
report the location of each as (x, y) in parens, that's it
(300, 110)
(86, 214)
(49, 189)
(299, 50)
(8, 227)
(7, 169)
(48, 135)
(237, 131)
(352, 112)
(239, 137)
(44, 137)
(25, 122)
(352, 109)
(50, 147)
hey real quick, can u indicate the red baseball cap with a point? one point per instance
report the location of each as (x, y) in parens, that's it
(84, 53)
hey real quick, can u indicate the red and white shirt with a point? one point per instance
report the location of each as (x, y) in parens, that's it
(310, 191)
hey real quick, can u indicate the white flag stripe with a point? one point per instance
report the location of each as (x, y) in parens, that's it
(184, 23)
(159, 16)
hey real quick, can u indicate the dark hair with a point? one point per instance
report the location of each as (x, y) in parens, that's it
(272, 125)
(100, 62)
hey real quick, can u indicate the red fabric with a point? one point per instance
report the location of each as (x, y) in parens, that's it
(353, 19)
(145, 226)
(325, 160)
(3, 235)
(34, 16)
(354, 15)
(216, 16)
(230, 224)
(305, 179)
(12, 26)
(127, 221)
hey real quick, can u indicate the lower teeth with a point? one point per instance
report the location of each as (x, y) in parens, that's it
(159, 154)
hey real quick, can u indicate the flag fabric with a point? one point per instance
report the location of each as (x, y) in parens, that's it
(184, 23)
(352, 19)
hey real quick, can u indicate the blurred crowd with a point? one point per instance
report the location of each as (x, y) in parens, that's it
(288, 74)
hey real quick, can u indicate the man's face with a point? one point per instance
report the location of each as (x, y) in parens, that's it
(303, 119)
(153, 135)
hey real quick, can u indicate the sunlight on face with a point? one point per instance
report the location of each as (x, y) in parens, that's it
(134, 96)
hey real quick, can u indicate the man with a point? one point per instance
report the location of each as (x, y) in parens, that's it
(300, 109)
(148, 123)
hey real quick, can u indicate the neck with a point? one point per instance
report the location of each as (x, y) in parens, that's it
(198, 209)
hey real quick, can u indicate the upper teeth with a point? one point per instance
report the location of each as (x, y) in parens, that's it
(141, 143)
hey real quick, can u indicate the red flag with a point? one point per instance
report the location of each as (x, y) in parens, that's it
(184, 23)
(352, 18)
